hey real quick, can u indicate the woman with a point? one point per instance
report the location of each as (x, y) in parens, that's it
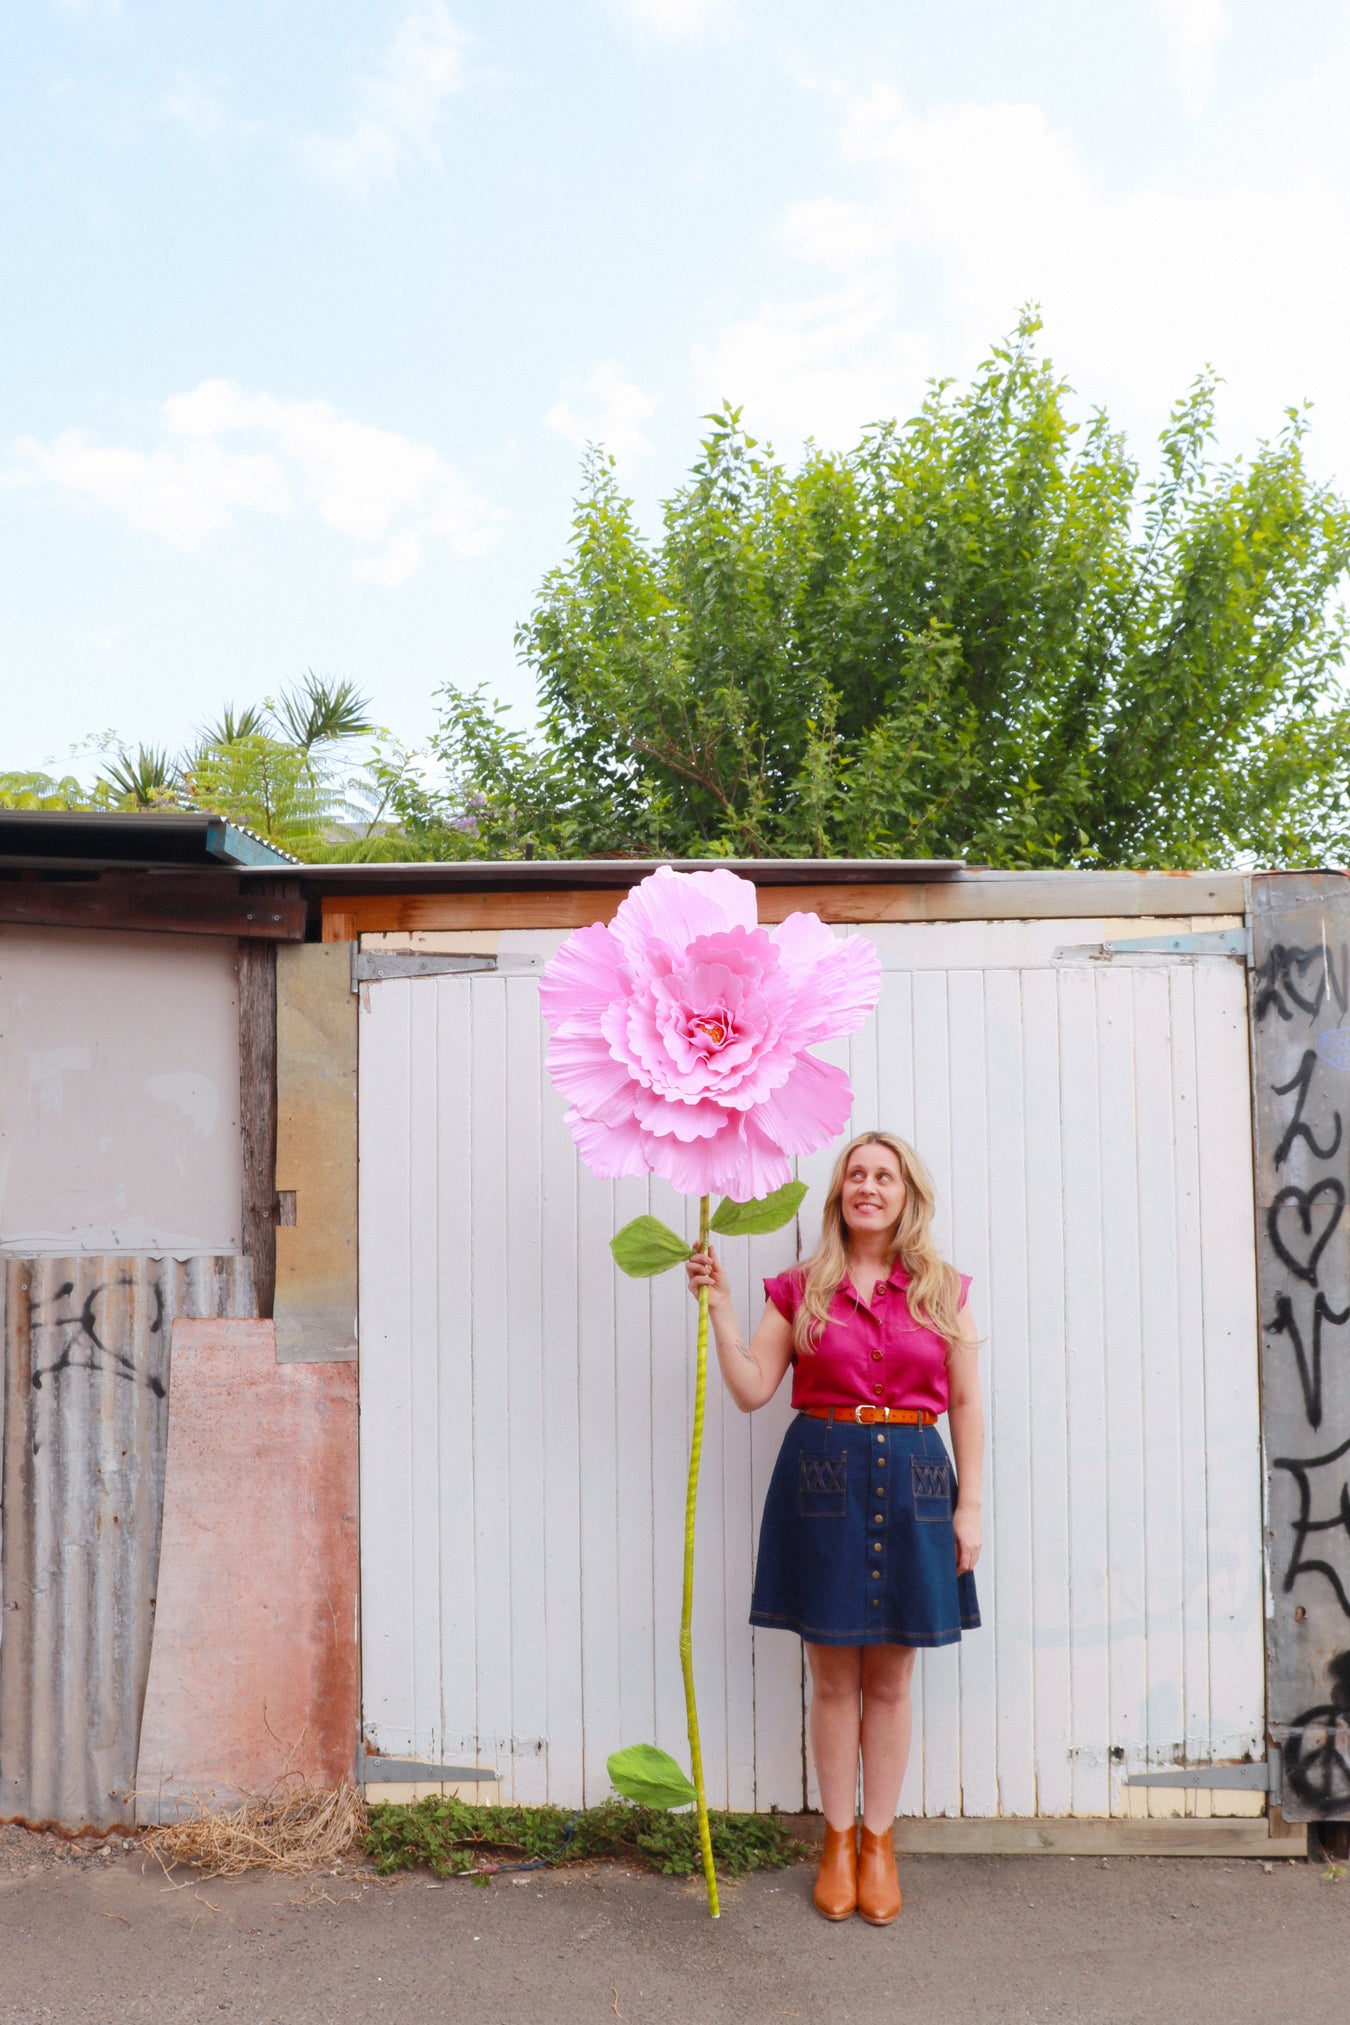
(862, 1550)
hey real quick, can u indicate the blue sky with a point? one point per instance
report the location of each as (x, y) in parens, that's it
(307, 311)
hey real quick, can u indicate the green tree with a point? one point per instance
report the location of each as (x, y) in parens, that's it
(979, 634)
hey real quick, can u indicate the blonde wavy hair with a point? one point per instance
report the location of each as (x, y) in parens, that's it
(934, 1289)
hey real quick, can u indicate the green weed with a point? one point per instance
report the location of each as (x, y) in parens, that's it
(450, 1837)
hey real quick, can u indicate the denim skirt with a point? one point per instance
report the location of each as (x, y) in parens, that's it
(856, 1544)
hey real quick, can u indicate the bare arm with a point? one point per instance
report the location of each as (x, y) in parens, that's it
(752, 1372)
(965, 1417)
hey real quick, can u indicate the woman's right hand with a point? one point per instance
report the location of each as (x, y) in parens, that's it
(705, 1269)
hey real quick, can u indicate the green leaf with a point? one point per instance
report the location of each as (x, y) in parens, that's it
(647, 1246)
(649, 1776)
(756, 1219)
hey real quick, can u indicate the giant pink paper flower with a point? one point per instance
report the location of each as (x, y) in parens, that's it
(681, 1035)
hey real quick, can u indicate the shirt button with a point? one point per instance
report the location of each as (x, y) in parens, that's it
(877, 1390)
(876, 1357)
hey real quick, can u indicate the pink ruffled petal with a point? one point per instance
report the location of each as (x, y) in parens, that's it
(663, 1118)
(692, 1166)
(837, 982)
(614, 1152)
(585, 976)
(755, 1165)
(810, 1109)
(586, 1073)
(670, 908)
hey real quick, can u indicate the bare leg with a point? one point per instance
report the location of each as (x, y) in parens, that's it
(887, 1722)
(836, 1728)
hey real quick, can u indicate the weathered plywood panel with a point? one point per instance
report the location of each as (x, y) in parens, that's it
(1301, 1059)
(1086, 1127)
(315, 1301)
(119, 1093)
(254, 1669)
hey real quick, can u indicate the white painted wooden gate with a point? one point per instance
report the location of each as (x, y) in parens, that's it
(525, 1409)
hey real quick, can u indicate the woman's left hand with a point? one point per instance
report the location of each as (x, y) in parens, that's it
(969, 1538)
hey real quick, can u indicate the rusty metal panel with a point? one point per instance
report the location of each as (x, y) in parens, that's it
(86, 1384)
(1300, 1015)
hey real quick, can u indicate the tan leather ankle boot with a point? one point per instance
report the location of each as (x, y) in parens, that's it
(878, 1884)
(836, 1892)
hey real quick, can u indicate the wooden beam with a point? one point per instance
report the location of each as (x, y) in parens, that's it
(258, 1113)
(211, 904)
(989, 896)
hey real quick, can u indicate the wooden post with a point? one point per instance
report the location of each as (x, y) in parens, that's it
(258, 1113)
(1300, 1012)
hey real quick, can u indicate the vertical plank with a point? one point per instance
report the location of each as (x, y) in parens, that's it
(671, 1356)
(562, 1410)
(1085, 1389)
(491, 1422)
(421, 1259)
(970, 1248)
(600, 1515)
(634, 1350)
(258, 1113)
(1236, 1668)
(1047, 1451)
(1119, 1157)
(941, 1669)
(1007, 1574)
(775, 1656)
(387, 1610)
(525, 1601)
(1191, 1544)
(446, 1176)
(1164, 1122)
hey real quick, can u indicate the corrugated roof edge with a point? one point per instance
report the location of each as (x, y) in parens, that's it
(126, 839)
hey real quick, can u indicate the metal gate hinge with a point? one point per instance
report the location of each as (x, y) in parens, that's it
(1222, 942)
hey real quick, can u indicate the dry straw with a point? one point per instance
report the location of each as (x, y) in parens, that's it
(295, 1831)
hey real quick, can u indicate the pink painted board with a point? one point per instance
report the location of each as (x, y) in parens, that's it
(254, 1671)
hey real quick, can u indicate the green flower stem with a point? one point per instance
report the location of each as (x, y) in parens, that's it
(687, 1608)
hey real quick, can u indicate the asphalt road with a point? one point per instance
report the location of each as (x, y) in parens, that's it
(1011, 1940)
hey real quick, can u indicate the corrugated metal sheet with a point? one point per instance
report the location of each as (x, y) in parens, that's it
(524, 1409)
(86, 1381)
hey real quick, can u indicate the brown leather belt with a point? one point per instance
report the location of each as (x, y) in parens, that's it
(869, 1416)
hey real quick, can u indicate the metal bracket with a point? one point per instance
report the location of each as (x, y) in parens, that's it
(373, 966)
(378, 966)
(1221, 942)
(1258, 1777)
(377, 1771)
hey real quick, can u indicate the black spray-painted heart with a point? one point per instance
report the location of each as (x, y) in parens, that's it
(1301, 1202)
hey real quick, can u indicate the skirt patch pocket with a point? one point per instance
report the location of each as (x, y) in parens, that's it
(822, 1486)
(930, 1486)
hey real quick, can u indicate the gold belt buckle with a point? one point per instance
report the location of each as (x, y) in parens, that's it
(859, 1411)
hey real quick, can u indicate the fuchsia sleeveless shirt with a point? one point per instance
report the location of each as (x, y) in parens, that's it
(870, 1353)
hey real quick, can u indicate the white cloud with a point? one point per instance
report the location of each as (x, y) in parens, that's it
(975, 209)
(675, 20)
(1194, 27)
(822, 367)
(224, 454)
(605, 408)
(399, 106)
